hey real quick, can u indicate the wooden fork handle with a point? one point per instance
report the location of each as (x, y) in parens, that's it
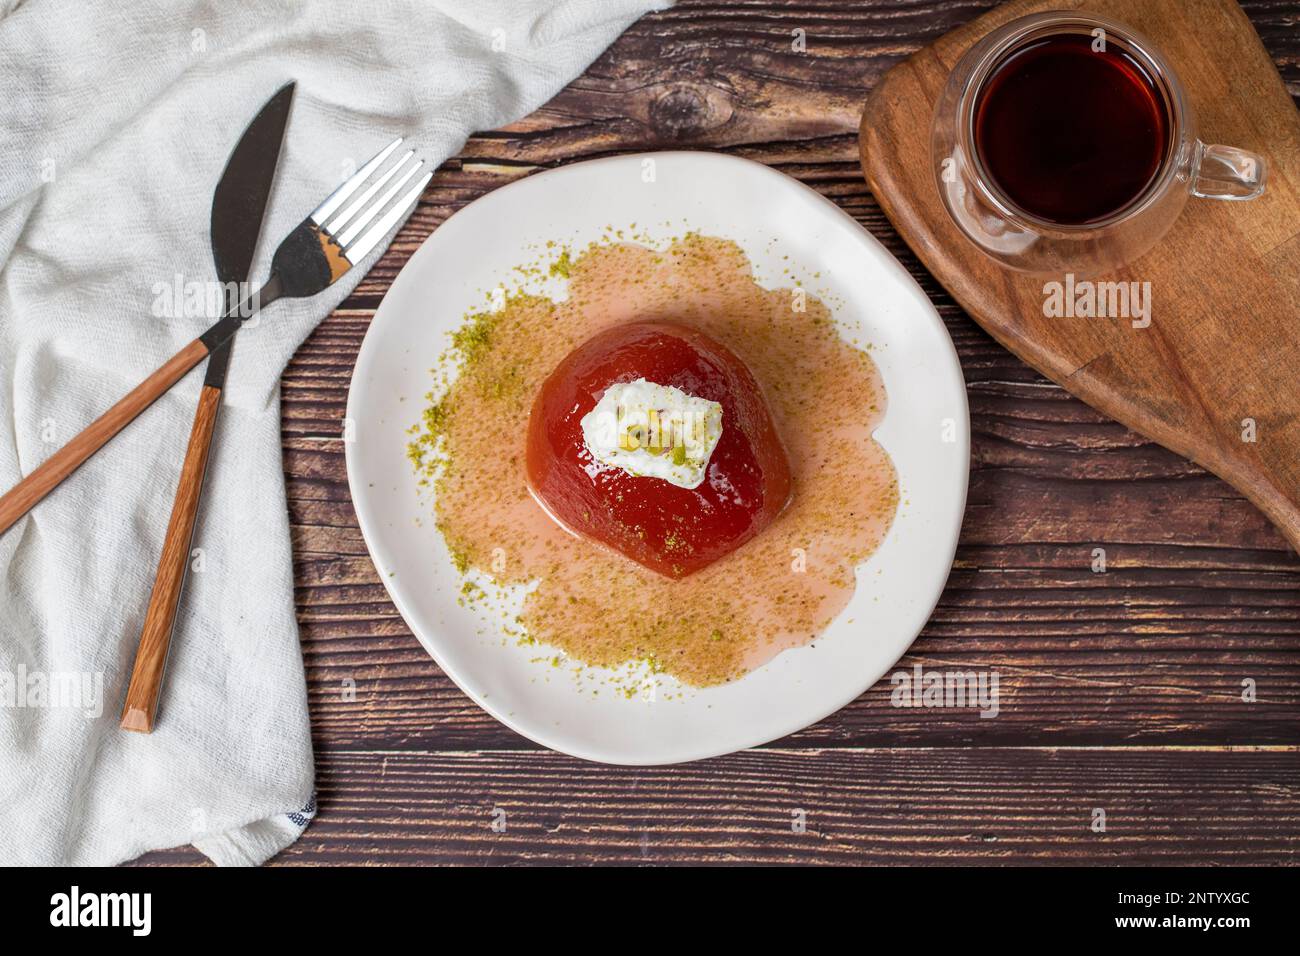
(142, 694)
(20, 499)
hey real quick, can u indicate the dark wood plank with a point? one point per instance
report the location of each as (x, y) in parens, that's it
(1201, 593)
(915, 806)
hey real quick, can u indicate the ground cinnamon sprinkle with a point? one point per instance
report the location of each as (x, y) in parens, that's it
(780, 589)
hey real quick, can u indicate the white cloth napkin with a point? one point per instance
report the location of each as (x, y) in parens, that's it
(116, 121)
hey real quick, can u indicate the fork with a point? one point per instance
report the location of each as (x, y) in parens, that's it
(322, 248)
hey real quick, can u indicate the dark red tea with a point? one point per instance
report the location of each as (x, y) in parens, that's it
(1069, 134)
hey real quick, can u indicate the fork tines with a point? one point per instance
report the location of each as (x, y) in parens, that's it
(357, 225)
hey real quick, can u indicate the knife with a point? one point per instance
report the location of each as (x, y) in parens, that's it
(238, 205)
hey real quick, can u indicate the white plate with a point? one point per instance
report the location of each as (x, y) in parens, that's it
(926, 431)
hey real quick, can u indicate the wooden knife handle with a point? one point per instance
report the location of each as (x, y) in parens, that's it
(20, 499)
(142, 694)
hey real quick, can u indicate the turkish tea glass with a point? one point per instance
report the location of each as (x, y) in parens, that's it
(1026, 242)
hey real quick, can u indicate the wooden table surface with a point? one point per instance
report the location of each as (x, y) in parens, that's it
(1120, 691)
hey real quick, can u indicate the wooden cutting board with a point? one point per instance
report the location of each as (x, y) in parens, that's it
(1220, 362)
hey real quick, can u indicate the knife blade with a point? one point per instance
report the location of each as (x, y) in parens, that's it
(238, 206)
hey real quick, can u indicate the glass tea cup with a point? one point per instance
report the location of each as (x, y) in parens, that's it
(1066, 234)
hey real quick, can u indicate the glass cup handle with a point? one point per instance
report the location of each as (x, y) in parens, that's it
(1225, 172)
